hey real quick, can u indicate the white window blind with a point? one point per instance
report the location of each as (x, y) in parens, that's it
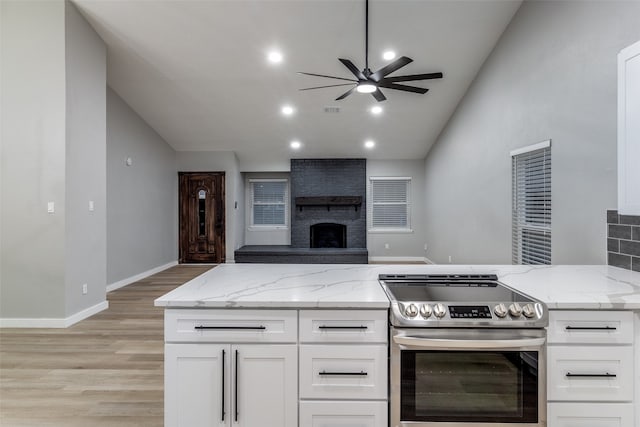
(269, 199)
(390, 204)
(531, 205)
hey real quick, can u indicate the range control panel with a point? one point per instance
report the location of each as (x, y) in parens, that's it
(470, 312)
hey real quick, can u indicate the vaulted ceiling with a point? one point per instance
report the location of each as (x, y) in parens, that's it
(197, 72)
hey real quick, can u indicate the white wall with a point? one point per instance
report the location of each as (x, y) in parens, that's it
(256, 235)
(33, 159)
(551, 76)
(142, 199)
(408, 245)
(221, 161)
(85, 174)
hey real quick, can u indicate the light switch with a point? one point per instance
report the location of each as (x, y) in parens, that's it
(50, 207)
(91, 209)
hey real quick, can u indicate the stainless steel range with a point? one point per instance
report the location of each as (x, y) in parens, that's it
(466, 350)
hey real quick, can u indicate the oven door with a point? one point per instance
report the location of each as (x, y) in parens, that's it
(468, 377)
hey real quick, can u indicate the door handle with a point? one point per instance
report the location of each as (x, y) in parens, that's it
(440, 344)
(360, 374)
(236, 386)
(255, 328)
(222, 394)
(342, 327)
(605, 375)
(590, 328)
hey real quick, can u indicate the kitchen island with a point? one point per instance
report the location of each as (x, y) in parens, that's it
(242, 341)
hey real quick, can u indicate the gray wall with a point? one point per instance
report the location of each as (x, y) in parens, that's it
(142, 199)
(86, 176)
(551, 76)
(405, 245)
(221, 161)
(33, 159)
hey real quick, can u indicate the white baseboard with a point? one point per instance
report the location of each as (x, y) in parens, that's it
(428, 261)
(399, 259)
(54, 323)
(129, 280)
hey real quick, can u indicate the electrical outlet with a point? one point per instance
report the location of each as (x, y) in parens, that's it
(449, 259)
(91, 206)
(386, 246)
(51, 208)
(425, 246)
(85, 289)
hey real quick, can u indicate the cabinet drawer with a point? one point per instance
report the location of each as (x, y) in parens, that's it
(343, 414)
(231, 326)
(343, 326)
(590, 373)
(590, 327)
(590, 415)
(343, 372)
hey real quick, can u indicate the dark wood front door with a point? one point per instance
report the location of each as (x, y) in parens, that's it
(202, 221)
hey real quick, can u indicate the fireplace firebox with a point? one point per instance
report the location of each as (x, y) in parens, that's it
(328, 235)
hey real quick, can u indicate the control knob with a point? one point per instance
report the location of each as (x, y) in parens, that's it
(515, 310)
(500, 310)
(529, 311)
(439, 310)
(425, 311)
(411, 310)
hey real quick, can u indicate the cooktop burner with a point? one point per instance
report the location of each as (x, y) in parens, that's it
(460, 301)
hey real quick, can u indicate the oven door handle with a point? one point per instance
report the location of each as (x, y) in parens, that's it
(438, 343)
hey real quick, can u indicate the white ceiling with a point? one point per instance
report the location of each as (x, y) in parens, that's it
(196, 71)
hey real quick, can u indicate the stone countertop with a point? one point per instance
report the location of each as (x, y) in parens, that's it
(356, 286)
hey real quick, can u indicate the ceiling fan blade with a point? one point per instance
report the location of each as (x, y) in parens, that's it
(321, 87)
(329, 77)
(378, 95)
(412, 77)
(352, 68)
(347, 93)
(398, 63)
(406, 88)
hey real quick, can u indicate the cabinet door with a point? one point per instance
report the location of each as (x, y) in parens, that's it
(265, 392)
(196, 385)
(629, 130)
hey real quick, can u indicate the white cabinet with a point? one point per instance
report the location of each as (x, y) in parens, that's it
(336, 413)
(590, 369)
(629, 130)
(240, 384)
(343, 368)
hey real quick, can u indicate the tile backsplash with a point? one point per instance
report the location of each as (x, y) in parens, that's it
(623, 240)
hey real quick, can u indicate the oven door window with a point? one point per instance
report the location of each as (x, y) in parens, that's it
(469, 386)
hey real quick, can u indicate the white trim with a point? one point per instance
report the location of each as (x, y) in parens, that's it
(54, 323)
(399, 259)
(129, 280)
(428, 261)
(390, 230)
(533, 147)
(390, 178)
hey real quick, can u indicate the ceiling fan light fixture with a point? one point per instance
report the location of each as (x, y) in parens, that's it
(366, 87)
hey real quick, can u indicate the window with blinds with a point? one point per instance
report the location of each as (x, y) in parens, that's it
(269, 202)
(389, 204)
(531, 205)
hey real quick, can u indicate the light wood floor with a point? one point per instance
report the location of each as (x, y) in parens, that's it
(103, 371)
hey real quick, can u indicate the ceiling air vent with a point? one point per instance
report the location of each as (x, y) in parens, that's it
(331, 109)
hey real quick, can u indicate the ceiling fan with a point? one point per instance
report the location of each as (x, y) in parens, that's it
(371, 82)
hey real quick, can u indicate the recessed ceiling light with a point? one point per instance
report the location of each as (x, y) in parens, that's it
(287, 110)
(388, 55)
(274, 57)
(376, 109)
(295, 145)
(369, 144)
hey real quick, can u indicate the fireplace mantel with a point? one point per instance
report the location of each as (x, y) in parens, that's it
(328, 201)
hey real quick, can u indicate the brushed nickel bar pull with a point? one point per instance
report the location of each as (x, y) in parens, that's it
(231, 328)
(361, 373)
(343, 327)
(590, 328)
(605, 375)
